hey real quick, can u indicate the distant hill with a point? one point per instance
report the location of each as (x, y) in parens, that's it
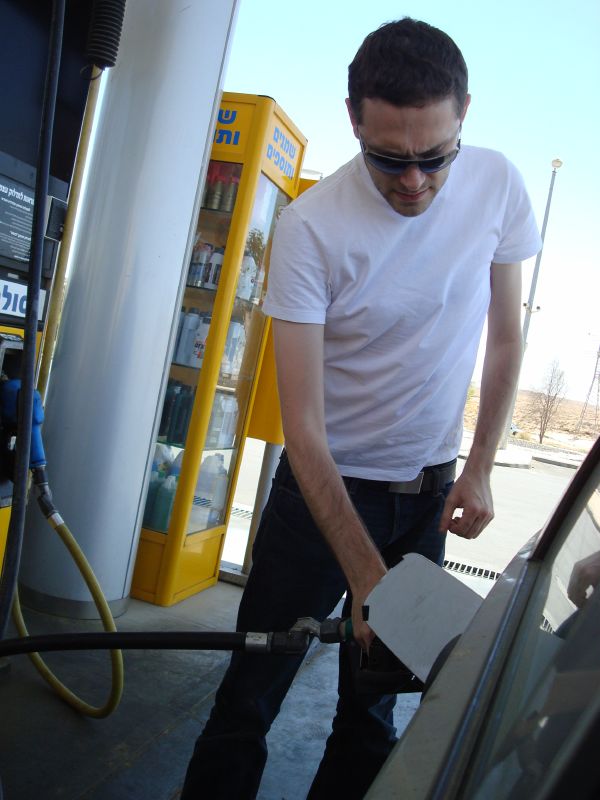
(562, 432)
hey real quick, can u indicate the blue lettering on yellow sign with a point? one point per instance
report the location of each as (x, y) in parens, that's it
(284, 143)
(282, 153)
(227, 116)
(223, 136)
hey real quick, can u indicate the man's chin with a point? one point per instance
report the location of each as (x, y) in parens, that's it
(410, 207)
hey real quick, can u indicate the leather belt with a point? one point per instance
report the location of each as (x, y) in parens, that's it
(430, 479)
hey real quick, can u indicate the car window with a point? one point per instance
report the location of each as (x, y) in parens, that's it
(549, 692)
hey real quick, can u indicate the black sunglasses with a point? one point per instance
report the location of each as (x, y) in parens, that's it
(397, 166)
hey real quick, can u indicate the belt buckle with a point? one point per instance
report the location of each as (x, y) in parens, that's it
(407, 487)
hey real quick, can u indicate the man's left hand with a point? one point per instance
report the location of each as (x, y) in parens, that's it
(472, 495)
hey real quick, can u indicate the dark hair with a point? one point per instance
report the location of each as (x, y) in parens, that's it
(407, 63)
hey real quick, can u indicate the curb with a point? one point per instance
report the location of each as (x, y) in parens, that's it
(525, 460)
(556, 462)
(504, 460)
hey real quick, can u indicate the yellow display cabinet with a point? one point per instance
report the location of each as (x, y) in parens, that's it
(222, 335)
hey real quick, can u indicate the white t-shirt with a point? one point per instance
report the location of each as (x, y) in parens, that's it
(402, 300)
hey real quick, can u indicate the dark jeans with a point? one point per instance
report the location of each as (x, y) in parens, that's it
(294, 574)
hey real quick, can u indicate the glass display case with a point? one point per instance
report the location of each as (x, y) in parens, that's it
(216, 357)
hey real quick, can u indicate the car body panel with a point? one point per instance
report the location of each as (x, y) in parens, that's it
(510, 641)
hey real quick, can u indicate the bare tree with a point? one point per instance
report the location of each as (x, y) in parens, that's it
(546, 402)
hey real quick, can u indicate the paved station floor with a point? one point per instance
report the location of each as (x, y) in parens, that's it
(141, 751)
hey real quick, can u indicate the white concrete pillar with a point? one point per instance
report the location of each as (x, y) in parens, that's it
(151, 151)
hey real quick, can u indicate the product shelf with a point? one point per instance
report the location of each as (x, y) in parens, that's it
(217, 355)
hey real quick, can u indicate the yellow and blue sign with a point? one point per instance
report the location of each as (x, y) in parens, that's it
(282, 143)
(283, 154)
(233, 125)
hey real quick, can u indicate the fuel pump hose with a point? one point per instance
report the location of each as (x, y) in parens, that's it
(46, 504)
(274, 642)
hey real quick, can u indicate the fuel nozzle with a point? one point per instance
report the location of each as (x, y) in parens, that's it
(44, 495)
(379, 670)
(9, 416)
(382, 672)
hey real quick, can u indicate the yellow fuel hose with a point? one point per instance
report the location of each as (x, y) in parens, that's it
(98, 712)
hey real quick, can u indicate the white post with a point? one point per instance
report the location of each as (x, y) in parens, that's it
(529, 309)
(151, 151)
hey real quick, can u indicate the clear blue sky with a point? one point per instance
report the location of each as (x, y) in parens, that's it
(534, 68)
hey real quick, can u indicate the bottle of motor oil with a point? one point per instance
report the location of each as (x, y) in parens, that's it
(181, 417)
(179, 329)
(219, 495)
(216, 421)
(156, 481)
(215, 191)
(163, 505)
(216, 262)
(188, 333)
(226, 434)
(173, 389)
(205, 485)
(229, 192)
(203, 265)
(199, 344)
(248, 273)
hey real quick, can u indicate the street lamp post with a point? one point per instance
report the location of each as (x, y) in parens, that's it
(529, 307)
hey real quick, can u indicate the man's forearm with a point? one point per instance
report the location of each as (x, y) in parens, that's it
(299, 355)
(498, 384)
(327, 499)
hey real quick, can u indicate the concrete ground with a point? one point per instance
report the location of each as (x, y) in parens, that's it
(524, 499)
(141, 751)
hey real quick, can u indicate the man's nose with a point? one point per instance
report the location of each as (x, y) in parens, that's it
(412, 179)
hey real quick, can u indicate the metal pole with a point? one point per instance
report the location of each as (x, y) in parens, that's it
(529, 309)
(556, 164)
(269, 465)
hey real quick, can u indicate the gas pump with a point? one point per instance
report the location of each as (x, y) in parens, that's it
(11, 346)
(10, 385)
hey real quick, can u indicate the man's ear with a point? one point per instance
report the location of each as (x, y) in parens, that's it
(352, 116)
(465, 107)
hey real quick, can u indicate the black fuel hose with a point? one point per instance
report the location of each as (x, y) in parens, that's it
(14, 541)
(105, 32)
(284, 642)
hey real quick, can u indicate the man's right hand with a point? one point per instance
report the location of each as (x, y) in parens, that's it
(361, 630)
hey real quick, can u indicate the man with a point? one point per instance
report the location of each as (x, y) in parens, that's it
(381, 277)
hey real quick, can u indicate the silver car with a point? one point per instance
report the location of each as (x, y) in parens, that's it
(513, 707)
